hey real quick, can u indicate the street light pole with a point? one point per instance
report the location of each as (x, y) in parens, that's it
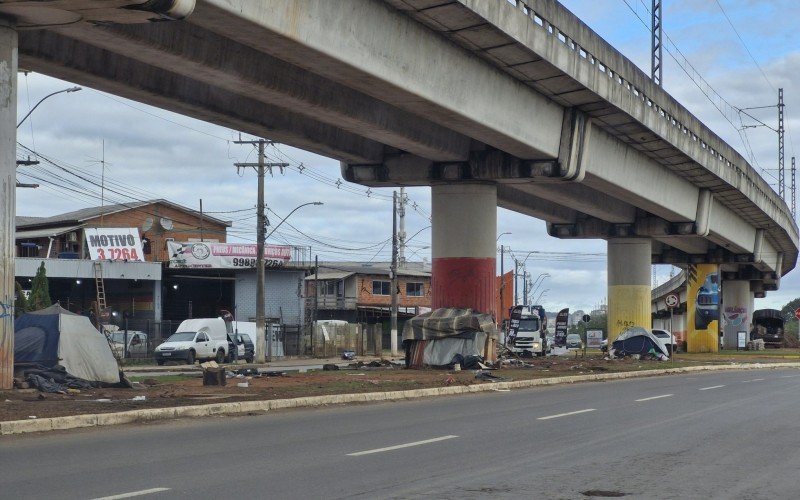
(543, 276)
(71, 89)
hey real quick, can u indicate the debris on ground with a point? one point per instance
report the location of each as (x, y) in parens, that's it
(330, 367)
(489, 377)
(213, 374)
(349, 355)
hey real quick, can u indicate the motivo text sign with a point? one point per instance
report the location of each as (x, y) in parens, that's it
(224, 255)
(112, 243)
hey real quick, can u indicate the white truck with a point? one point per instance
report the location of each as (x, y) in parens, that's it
(199, 338)
(527, 331)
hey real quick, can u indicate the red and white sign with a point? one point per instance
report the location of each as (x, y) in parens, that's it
(797, 313)
(111, 243)
(225, 255)
(672, 300)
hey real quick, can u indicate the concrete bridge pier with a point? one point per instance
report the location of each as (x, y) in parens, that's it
(8, 181)
(629, 271)
(737, 310)
(464, 228)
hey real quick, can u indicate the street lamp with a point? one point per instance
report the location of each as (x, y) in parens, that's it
(71, 89)
(544, 292)
(261, 337)
(543, 276)
(499, 235)
(290, 213)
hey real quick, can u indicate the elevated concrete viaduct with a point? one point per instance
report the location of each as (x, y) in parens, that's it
(504, 103)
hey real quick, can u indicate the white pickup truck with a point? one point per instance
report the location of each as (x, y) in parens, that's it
(200, 338)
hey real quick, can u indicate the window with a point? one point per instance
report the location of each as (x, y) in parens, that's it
(415, 289)
(381, 287)
(328, 288)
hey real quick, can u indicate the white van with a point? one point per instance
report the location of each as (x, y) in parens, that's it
(200, 338)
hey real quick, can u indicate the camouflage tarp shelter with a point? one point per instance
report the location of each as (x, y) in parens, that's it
(436, 337)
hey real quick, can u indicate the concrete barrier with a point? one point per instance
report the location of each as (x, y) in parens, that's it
(244, 407)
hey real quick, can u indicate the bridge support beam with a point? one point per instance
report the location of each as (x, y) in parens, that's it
(629, 271)
(8, 182)
(464, 228)
(737, 310)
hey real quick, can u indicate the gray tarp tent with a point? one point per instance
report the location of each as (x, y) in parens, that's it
(56, 336)
(638, 340)
(435, 338)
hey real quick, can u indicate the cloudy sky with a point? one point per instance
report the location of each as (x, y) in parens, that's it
(739, 52)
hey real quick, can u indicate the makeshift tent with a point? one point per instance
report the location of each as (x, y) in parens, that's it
(435, 338)
(638, 340)
(56, 336)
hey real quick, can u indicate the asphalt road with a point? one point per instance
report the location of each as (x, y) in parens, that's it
(713, 435)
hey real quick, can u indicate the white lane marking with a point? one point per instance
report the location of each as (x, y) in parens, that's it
(566, 414)
(655, 397)
(399, 446)
(790, 376)
(712, 387)
(753, 380)
(134, 494)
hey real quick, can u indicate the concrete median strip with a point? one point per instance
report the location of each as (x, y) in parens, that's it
(243, 407)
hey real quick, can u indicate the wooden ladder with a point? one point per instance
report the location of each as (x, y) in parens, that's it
(100, 287)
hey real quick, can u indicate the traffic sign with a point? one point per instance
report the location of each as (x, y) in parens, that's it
(797, 313)
(586, 318)
(673, 300)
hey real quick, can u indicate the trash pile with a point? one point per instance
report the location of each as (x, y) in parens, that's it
(55, 379)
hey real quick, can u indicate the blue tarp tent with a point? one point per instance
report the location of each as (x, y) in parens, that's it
(56, 336)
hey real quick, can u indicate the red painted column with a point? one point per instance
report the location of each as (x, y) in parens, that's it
(464, 230)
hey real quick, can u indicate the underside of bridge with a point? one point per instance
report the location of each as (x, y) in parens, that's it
(492, 103)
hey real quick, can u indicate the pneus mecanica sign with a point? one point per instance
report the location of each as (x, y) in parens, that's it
(225, 255)
(113, 243)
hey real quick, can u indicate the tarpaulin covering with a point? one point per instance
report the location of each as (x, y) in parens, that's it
(638, 340)
(56, 336)
(448, 322)
(435, 338)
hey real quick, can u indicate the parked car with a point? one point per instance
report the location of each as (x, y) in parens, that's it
(667, 338)
(574, 341)
(199, 338)
(137, 343)
(245, 348)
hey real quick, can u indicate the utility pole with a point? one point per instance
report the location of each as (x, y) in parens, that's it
(401, 232)
(655, 43)
(524, 286)
(201, 219)
(394, 275)
(502, 284)
(781, 182)
(516, 280)
(263, 348)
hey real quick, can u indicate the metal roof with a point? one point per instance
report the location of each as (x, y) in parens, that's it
(85, 214)
(46, 232)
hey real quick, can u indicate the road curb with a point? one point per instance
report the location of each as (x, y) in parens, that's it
(240, 407)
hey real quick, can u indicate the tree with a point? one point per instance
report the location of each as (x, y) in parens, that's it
(788, 309)
(20, 302)
(40, 291)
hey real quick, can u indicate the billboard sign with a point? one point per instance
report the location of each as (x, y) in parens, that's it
(110, 243)
(594, 339)
(200, 255)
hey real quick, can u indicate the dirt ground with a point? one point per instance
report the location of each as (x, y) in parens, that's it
(189, 390)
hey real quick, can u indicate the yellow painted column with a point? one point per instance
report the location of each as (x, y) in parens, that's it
(629, 270)
(702, 308)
